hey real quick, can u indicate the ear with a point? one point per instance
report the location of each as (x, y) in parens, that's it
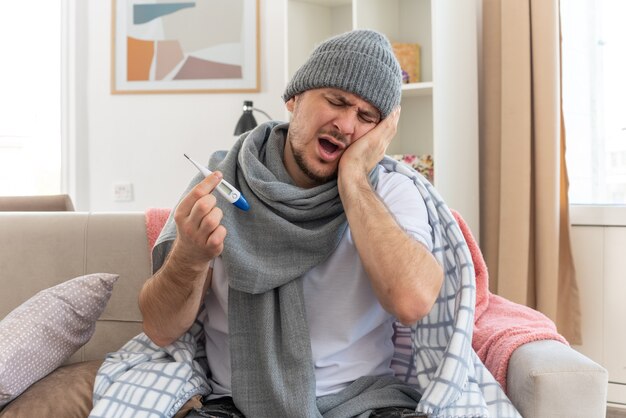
(289, 104)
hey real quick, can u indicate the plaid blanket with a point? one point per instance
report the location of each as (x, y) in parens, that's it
(442, 364)
(143, 380)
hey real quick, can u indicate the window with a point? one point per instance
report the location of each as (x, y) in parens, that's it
(30, 97)
(594, 99)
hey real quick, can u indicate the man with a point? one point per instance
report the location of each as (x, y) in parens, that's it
(301, 292)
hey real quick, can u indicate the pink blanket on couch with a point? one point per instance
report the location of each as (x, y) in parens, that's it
(155, 220)
(500, 326)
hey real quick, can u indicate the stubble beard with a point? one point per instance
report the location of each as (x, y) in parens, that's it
(315, 177)
(300, 159)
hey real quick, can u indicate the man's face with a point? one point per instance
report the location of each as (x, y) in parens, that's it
(324, 123)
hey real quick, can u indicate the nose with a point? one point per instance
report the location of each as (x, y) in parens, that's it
(346, 122)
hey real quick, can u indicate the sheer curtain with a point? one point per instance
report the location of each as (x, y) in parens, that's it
(30, 97)
(524, 208)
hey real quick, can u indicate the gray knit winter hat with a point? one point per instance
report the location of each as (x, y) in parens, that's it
(360, 62)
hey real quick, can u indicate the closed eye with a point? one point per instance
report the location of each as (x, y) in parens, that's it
(336, 103)
(364, 115)
(367, 118)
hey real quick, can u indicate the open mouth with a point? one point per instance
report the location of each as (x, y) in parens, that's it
(328, 146)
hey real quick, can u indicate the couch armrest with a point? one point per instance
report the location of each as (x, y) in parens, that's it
(550, 379)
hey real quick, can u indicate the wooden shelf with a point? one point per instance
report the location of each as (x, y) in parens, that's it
(327, 3)
(441, 121)
(417, 89)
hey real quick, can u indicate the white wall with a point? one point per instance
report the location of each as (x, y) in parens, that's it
(140, 139)
(598, 242)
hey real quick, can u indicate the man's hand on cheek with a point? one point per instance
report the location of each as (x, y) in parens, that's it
(363, 154)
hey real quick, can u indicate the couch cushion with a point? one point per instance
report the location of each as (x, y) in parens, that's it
(43, 332)
(83, 243)
(25, 253)
(73, 384)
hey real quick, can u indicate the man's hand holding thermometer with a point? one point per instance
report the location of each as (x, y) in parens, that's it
(231, 194)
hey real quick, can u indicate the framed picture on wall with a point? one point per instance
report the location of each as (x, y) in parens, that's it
(201, 46)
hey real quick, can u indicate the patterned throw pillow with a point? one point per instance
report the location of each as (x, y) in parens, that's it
(43, 332)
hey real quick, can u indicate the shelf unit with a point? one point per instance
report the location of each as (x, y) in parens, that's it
(440, 113)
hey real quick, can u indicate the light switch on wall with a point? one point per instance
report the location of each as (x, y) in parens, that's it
(123, 192)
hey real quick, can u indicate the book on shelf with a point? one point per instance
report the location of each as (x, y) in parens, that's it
(408, 56)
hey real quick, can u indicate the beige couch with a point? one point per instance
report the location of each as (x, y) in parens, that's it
(38, 250)
(43, 203)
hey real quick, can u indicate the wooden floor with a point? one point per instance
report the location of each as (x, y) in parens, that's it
(612, 412)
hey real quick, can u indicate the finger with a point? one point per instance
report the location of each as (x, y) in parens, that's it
(203, 188)
(387, 126)
(215, 241)
(396, 111)
(390, 126)
(210, 222)
(201, 209)
(391, 121)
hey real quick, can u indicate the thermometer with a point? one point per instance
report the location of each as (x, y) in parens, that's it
(231, 194)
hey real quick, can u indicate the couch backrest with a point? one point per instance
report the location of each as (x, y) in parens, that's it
(43, 203)
(41, 249)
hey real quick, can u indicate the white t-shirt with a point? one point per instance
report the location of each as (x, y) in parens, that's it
(350, 331)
